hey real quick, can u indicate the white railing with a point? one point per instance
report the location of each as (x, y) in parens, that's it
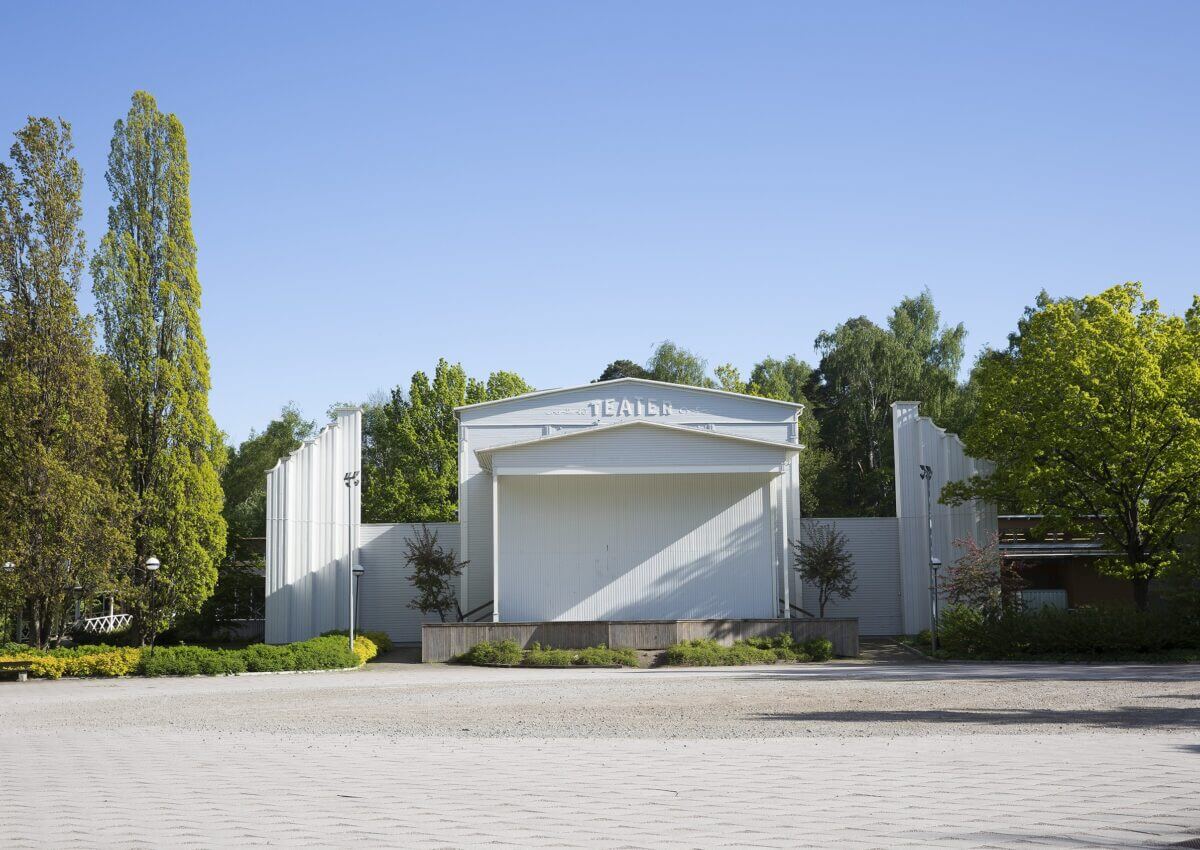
(1035, 600)
(105, 624)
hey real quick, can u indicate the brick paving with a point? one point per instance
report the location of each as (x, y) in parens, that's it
(145, 780)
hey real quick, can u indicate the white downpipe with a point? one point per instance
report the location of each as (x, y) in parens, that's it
(495, 547)
(784, 481)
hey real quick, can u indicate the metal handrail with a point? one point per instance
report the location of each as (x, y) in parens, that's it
(467, 616)
(795, 607)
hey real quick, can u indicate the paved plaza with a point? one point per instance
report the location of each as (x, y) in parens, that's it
(840, 755)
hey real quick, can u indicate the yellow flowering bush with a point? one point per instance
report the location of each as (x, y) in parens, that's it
(324, 653)
(40, 666)
(119, 662)
(112, 662)
(364, 649)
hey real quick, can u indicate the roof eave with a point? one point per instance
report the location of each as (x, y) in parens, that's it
(645, 381)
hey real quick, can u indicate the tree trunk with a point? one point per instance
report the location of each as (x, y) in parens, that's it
(1141, 592)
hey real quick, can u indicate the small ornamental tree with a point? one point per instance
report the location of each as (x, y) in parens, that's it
(820, 557)
(980, 579)
(433, 572)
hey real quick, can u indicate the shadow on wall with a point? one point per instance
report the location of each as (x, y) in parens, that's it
(609, 550)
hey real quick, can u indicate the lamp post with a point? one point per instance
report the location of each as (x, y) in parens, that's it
(152, 565)
(351, 481)
(357, 571)
(9, 567)
(934, 563)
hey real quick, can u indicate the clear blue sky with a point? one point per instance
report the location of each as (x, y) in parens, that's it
(545, 187)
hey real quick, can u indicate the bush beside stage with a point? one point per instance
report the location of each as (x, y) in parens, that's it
(322, 653)
(506, 653)
(1052, 634)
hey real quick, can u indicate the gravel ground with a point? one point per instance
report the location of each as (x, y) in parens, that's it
(405, 700)
(837, 756)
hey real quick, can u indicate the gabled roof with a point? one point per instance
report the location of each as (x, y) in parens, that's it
(485, 454)
(641, 381)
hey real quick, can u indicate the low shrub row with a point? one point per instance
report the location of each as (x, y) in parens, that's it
(706, 652)
(1109, 632)
(322, 653)
(507, 653)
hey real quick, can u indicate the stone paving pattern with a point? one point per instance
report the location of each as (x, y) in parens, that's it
(206, 763)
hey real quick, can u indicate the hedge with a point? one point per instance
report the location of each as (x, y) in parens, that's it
(1052, 632)
(322, 653)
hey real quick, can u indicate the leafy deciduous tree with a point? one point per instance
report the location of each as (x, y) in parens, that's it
(410, 444)
(622, 369)
(1092, 414)
(863, 369)
(819, 555)
(729, 378)
(981, 579)
(62, 507)
(676, 365)
(148, 296)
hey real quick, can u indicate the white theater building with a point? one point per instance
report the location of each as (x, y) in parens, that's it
(615, 501)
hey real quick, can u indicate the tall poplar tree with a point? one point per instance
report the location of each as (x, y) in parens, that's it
(148, 296)
(62, 520)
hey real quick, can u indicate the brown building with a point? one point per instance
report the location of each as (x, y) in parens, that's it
(1059, 567)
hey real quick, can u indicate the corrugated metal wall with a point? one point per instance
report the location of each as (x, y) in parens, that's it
(873, 542)
(726, 527)
(386, 590)
(918, 441)
(312, 527)
(519, 419)
(636, 547)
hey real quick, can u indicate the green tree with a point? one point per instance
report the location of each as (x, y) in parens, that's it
(432, 573)
(819, 555)
(622, 369)
(677, 365)
(410, 444)
(62, 508)
(1092, 414)
(729, 378)
(863, 369)
(148, 296)
(785, 379)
